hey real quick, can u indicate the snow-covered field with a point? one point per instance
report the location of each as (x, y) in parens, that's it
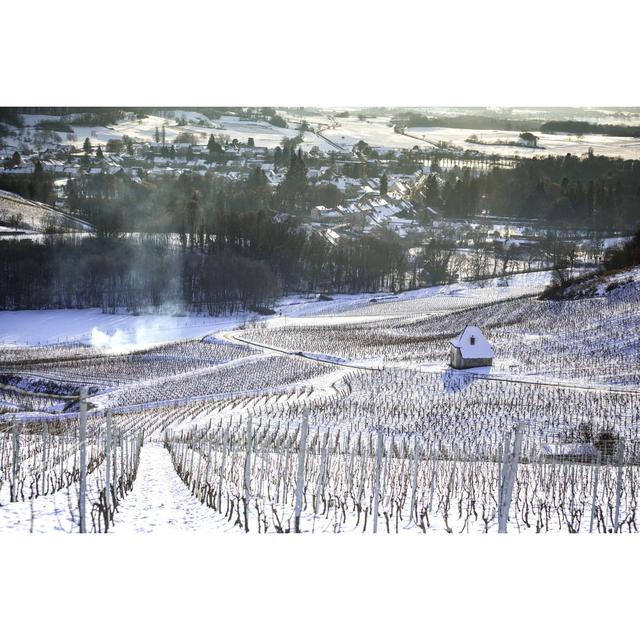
(341, 133)
(144, 130)
(376, 132)
(122, 331)
(113, 332)
(548, 143)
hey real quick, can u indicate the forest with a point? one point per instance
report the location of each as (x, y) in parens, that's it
(581, 127)
(115, 273)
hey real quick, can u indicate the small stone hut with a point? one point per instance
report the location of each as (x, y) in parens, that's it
(470, 349)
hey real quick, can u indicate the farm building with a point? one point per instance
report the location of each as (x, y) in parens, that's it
(470, 349)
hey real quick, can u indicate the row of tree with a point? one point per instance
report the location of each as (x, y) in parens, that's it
(118, 273)
(593, 191)
(37, 185)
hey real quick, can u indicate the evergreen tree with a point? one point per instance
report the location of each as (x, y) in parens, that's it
(215, 148)
(87, 145)
(157, 135)
(99, 154)
(277, 157)
(256, 179)
(295, 183)
(384, 185)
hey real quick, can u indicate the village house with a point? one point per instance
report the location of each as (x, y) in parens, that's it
(470, 349)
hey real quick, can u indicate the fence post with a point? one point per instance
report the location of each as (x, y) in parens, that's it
(503, 455)
(107, 471)
(285, 490)
(304, 430)
(509, 477)
(45, 443)
(16, 454)
(321, 476)
(123, 469)
(225, 439)
(595, 491)
(376, 497)
(247, 475)
(616, 520)
(208, 455)
(414, 479)
(83, 459)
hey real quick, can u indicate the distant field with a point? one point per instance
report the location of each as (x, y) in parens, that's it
(336, 133)
(551, 144)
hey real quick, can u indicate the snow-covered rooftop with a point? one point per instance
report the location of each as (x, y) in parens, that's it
(472, 343)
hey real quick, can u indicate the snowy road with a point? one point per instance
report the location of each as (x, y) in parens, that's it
(160, 502)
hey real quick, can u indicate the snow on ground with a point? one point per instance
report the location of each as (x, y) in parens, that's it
(56, 512)
(35, 214)
(548, 143)
(160, 501)
(347, 132)
(617, 279)
(617, 241)
(265, 134)
(144, 130)
(298, 305)
(376, 132)
(114, 332)
(523, 282)
(121, 332)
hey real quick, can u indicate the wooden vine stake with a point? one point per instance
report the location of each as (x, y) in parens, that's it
(595, 491)
(247, 475)
(376, 496)
(107, 469)
(225, 440)
(508, 477)
(414, 479)
(302, 450)
(15, 435)
(83, 460)
(616, 520)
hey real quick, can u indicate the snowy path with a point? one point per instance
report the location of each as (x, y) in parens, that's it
(160, 502)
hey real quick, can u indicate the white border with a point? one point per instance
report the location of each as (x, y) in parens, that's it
(279, 52)
(337, 52)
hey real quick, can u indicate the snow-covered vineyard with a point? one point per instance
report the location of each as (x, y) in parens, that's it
(335, 416)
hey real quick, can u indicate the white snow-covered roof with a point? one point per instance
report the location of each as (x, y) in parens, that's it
(472, 343)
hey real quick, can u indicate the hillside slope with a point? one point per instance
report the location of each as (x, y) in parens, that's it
(35, 216)
(596, 285)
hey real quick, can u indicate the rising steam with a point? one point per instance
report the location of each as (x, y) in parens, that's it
(145, 333)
